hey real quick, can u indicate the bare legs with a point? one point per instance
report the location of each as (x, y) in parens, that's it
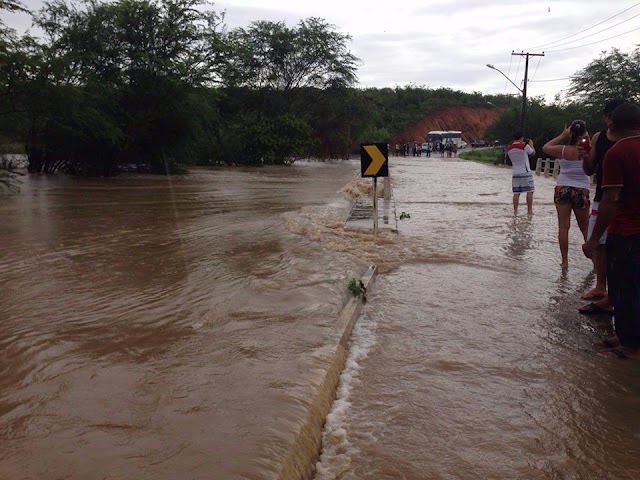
(564, 223)
(516, 202)
(599, 292)
(582, 217)
(529, 203)
(600, 263)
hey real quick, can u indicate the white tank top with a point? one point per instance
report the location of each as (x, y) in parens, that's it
(571, 174)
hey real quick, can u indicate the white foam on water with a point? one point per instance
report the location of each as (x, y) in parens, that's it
(337, 450)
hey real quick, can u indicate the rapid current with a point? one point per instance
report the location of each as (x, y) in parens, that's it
(179, 328)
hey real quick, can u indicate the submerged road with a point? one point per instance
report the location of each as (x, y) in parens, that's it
(471, 360)
(183, 328)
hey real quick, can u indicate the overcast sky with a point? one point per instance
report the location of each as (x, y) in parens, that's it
(447, 43)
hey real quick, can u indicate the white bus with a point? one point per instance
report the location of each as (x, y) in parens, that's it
(446, 136)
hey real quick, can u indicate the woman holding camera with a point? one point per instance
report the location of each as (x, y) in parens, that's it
(572, 188)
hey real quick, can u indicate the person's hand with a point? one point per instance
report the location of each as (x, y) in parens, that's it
(582, 153)
(531, 142)
(590, 247)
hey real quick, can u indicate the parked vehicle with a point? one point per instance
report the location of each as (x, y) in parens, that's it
(445, 137)
(462, 144)
(479, 143)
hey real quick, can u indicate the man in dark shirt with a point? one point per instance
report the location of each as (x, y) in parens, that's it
(593, 165)
(620, 211)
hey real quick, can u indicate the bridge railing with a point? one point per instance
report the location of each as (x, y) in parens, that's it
(551, 168)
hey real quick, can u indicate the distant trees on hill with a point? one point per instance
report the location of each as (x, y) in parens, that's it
(153, 85)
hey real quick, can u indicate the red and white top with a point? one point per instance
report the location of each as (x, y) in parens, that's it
(519, 155)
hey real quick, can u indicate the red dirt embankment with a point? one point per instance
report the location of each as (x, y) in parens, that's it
(472, 122)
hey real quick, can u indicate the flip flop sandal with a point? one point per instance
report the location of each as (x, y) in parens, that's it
(593, 309)
(597, 296)
(604, 344)
(613, 352)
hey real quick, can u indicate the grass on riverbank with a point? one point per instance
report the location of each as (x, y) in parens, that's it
(486, 155)
(12, 148)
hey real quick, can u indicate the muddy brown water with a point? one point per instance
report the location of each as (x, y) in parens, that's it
(161, 329)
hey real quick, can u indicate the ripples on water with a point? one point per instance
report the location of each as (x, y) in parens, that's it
(180, 330)
(478, 364)
(155, 329)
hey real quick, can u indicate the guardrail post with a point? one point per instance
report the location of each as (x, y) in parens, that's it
(539, 166)
(556, 168)
(546, 166)
(386, 185)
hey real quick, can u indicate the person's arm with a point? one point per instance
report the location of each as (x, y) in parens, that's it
(529, 148)
(553, 148)
(589, 163)
(612, 185)
(606, 211)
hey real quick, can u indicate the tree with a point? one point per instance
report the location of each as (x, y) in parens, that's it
(132, 71)
(612, 75)
(275, 76)
(271, 55)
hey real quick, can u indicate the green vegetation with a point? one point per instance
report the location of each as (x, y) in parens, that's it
(158, 85)
(612, 75)
(357, 289)
(494, 156)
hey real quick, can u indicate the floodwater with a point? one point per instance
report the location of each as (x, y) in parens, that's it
(162, 329)
(476, 364)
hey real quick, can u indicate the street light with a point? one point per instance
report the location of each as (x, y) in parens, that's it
(500, 72)
(523, 92)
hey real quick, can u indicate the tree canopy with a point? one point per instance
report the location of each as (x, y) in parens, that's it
(272, 55)
(150, 85)
(612, 75)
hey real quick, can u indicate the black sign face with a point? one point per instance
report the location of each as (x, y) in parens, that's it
(374, 160)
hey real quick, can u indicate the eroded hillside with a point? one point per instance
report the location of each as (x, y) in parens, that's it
(472, 122)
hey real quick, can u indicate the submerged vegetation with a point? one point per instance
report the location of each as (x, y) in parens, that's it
(357, 289)
(157, 85)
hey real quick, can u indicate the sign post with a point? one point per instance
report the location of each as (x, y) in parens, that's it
(374, 163)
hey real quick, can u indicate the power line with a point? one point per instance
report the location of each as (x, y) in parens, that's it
(596, 33)
(586, 29)
(536, 70)
(552, 79)
(523, 114)
(506, 82)
(592, 43)
(517, 71)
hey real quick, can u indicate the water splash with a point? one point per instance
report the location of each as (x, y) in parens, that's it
(337, 450)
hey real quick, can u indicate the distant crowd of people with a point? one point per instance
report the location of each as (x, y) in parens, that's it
(611, 225)
(416, 149)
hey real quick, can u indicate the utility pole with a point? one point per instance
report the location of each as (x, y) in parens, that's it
(524, 87)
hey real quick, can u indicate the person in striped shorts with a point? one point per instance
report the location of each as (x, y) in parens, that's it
(522, 176)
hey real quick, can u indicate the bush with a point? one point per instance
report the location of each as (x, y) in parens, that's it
(494, 156)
